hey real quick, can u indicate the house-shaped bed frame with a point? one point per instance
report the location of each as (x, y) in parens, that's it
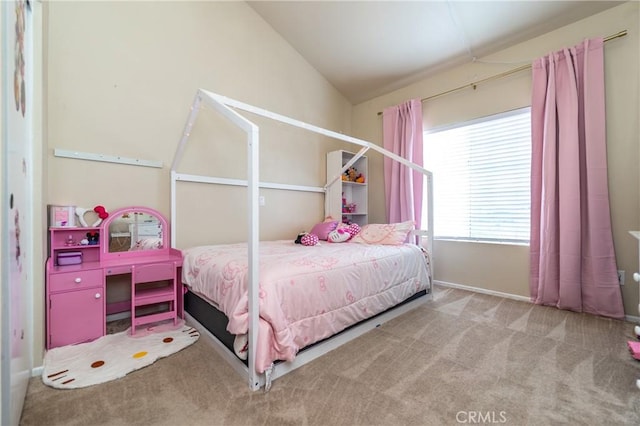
(228, 108)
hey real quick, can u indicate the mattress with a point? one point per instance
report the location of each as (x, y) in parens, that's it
(307, 293)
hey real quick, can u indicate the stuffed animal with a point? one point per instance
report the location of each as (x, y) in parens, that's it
(353, 229)
(352, 173)
(306, 239)
(338, 236)
(343, 233)
(93, 238)
(309, 240)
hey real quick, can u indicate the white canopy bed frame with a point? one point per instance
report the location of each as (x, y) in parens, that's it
(227, 108)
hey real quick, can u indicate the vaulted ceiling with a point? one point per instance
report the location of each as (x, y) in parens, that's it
(369, 48)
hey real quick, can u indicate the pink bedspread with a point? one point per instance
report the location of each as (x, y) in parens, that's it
(306, 293)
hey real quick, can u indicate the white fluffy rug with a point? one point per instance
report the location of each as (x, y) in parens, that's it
(113, 356)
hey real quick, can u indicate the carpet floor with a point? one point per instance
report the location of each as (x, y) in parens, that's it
(463, 358)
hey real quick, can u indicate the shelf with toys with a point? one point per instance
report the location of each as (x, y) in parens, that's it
(69, 246)
(347, 198)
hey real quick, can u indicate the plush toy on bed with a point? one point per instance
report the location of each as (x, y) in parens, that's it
(338, 236)
(343, 233)
(307, 239)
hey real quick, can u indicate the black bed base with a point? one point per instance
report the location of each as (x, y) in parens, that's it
(216, 322)
(211, 318)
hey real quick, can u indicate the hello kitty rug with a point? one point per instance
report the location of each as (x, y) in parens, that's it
(113, 356)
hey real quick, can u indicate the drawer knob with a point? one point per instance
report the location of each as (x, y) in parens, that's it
(78, 280)
(98, 295)
(636, 277)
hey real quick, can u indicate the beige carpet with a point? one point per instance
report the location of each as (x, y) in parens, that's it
(464, 358)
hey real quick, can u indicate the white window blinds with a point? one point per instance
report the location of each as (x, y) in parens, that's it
(482, 178)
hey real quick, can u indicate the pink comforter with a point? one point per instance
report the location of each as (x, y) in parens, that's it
(306, 293)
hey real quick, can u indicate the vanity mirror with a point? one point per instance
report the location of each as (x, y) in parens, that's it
(134, 230)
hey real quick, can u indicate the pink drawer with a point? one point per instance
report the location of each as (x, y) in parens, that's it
(75, 280)
(117, 270)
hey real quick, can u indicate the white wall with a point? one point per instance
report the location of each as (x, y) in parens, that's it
(506, 268)
(121, 77)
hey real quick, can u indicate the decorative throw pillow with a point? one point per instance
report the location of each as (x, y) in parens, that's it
(391, 234)
(322, 229)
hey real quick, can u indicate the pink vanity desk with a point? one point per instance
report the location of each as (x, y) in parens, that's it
(77, 274)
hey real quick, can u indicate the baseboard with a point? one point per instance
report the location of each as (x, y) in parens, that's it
(482, 290)
(632, 318)
(37, 371)
(628, 318)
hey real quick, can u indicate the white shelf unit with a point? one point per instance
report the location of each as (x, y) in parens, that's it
(353, 193)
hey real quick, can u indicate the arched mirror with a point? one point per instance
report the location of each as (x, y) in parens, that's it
(134, 231)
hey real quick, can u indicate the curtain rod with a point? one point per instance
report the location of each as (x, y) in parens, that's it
(504, 74)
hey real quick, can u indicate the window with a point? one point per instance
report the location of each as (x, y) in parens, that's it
(481, 171)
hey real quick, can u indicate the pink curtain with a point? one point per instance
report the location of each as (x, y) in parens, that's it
(573, 263)
(402, 130)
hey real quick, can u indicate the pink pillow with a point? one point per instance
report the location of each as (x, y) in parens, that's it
(322, 229)
(392, 234)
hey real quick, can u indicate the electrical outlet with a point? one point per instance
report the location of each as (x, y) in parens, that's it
(620, 277)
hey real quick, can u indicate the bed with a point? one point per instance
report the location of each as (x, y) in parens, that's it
(307, 294)
(310, 299)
